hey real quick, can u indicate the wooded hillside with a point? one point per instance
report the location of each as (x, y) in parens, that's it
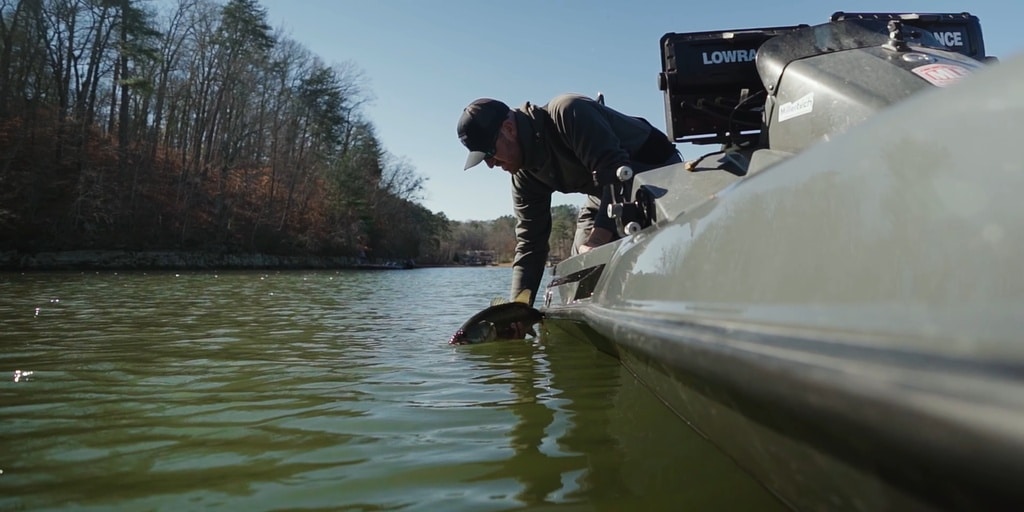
(192, 125)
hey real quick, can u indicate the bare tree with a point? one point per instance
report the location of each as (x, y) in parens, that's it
(192, 125)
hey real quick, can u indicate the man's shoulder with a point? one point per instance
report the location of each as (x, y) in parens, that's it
(566, 102)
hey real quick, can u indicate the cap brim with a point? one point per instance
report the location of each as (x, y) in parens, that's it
(474, 159)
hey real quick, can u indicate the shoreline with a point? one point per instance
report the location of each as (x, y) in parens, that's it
(179, 260)
(16, 261)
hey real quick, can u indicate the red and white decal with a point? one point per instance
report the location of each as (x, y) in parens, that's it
(942, 75)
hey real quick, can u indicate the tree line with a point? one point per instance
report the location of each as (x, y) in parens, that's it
(192, 125)
(497, 235)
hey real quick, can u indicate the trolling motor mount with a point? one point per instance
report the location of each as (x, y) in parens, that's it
(896, 42)
(630, 215)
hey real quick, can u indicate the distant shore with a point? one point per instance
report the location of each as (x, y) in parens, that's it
(196, 260)
(180, 260)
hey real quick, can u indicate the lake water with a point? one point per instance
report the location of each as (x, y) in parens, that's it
(323, 391)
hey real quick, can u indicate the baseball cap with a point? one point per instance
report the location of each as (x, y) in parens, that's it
(479, 127)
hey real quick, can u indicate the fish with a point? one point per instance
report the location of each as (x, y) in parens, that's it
(497, 321)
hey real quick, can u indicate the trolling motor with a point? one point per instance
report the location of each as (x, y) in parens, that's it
(630, 216)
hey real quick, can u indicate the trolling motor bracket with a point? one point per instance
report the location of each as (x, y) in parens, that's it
(630, 215)
(896, 42)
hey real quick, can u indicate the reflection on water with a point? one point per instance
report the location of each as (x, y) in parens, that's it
(322, 391)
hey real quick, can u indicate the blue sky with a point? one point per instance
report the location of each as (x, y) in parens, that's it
(423, 61)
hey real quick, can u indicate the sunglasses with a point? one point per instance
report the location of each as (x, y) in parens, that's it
(489, 154)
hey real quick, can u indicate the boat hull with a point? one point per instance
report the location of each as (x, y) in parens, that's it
(844, 323)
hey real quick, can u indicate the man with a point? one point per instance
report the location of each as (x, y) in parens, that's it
(572, 144)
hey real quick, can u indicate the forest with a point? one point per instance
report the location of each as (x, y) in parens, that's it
(191, 125)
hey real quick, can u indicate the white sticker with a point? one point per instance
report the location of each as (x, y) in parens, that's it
(797, 108)
(942, 75)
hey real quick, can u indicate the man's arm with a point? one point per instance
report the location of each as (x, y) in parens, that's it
(532, 207)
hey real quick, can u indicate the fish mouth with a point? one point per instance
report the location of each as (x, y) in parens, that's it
(456, 338)
(479, 333)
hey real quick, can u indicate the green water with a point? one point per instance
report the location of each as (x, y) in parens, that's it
(323, 391)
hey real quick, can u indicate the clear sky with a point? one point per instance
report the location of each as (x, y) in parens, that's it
(424, 60)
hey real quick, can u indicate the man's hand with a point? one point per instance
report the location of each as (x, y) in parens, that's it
(515, 331)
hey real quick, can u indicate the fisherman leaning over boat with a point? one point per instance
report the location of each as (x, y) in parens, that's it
(572, 144)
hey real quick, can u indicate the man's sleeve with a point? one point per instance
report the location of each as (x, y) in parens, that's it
(532, 207)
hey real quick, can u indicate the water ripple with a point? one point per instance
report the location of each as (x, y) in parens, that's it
(317, 391)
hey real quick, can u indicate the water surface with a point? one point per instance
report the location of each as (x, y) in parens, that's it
(323, 391)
